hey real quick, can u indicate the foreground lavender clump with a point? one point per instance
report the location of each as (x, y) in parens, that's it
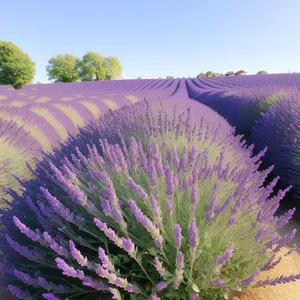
(173, 213)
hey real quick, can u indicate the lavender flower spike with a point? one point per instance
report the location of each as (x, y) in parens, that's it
(161, 286)
(170, 206)
(50, 296)
(159, 267)
(194, 297)
(179, 269)
(178, 236)
(106, 263)
(115, 294)
(154, 297)
(222, 260)
(145, 221)
(16, 291)
(25, 230)
(193, 234)
(81, 260)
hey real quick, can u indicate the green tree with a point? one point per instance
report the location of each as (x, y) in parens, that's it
(63, 68)
(16, 67)
(209, 74)
(92, 67)
(38, 82)
(169, 77)
(113, 67)
(262, 72)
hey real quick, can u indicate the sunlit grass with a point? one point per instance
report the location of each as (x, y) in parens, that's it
(46, 114)
(110, 104)
(42, 100)
(71, 113)
(132, 99)
(94, 109)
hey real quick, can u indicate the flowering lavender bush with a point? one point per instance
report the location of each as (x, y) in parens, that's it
(173, 211)
(279, 131)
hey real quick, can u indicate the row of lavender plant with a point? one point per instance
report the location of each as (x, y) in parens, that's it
(242, 106)
(158, 207)
(279, 130)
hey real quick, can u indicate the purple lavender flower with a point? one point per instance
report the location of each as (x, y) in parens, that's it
(115, 294)
(159, 267)
(133, 153)
(128, 245)
(137, 189)
(193, 234)
(106, 207)
(178, 236)
(161, 286)
(194, 195)
(81, 260)
(48, 285)
(194, 297)
(106, 263)
(159, 241)
(31, 254)
(25, 230)
(169, 177)
(67, 270)
(154, 297)
(231, 221)
(170, 206)
(250, 279)
(222, 260)
(179, 270)
(50, 296)
(26, 278)
(19, 293)
(211, 205)
(156, 210)
(217, 282)
(110, 234)
(60, 209)
(59, 249)
(260, 233)
(145, 221)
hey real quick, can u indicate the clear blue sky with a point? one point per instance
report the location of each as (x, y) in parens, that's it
(155, 38)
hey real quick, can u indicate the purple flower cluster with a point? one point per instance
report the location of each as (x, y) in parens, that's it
(145, 202)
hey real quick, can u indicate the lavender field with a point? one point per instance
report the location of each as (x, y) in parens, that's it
(41, 120)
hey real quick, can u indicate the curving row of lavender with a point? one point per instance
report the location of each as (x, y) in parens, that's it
(47, 112)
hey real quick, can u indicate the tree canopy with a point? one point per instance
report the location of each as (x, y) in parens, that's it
(169, 77)
(113, 67)
(92, 67)
(16, 67)
(262, 72)
(63, 68)
(209, 74)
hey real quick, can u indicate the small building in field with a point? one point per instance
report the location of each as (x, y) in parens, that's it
(240, 72)
(201, 75)
(230, 73)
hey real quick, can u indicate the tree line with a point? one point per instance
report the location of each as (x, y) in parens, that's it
(17, 68)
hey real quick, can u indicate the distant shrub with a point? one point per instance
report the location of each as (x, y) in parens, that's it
(262, 72)
(279, 130)
(172, 210)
